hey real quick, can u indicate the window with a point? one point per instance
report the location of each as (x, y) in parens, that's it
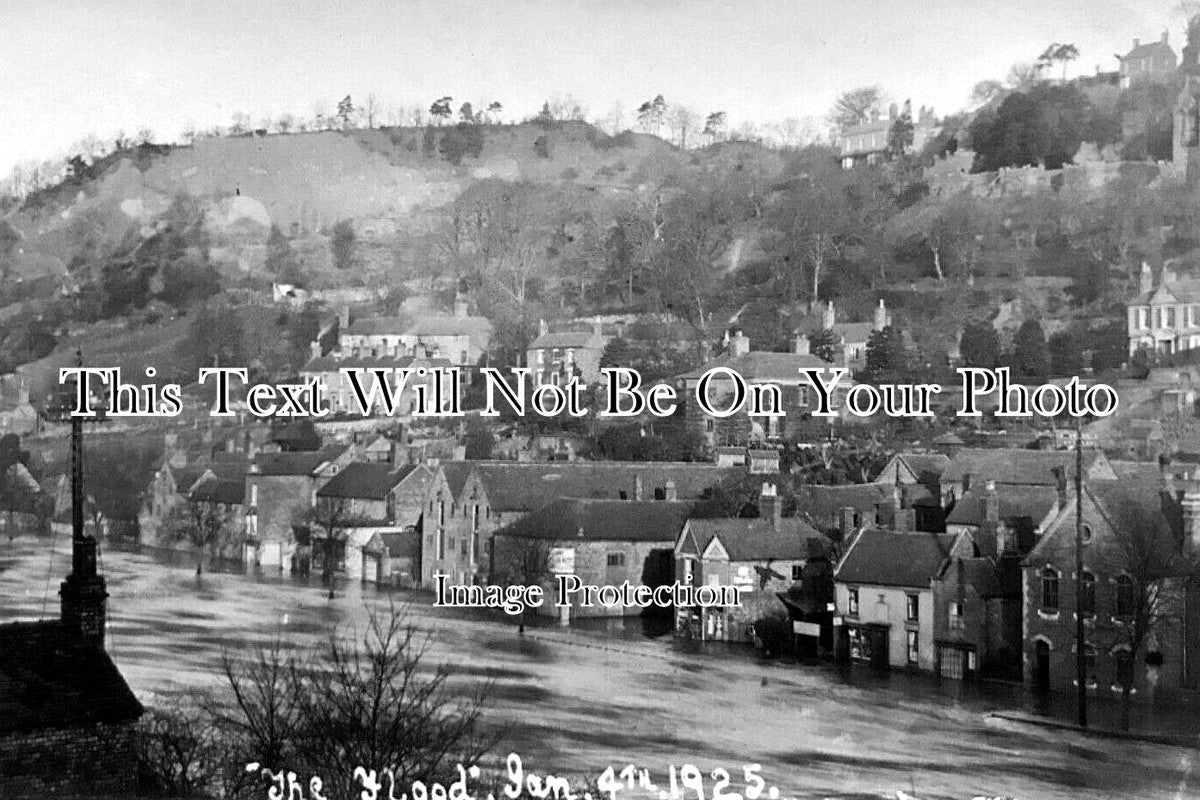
(463, 549)
(442, 512)
(475, 517)
(803, 398)
(541, 355)
(441, 544)
(1125, 597)
(956, 615)
(1143, 318)
(913, 607)
(1050, 589)
(1086, 533)
(852, 604)
(708, 425)
(254, 494)
(914, 647)
(797, 572)
(1087, 594)
(462, 357)
(616, 559)
(1170, 314)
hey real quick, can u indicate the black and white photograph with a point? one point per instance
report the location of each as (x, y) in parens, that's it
(600, 400)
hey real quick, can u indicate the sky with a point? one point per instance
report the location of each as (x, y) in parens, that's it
(73, 68)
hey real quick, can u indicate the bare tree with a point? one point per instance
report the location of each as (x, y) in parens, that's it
(368, 699)
(1149, 587)
(206, 524)
(522, 561)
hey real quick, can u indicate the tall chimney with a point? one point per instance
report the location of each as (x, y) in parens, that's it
(460, 305)
(670, 490)
(769, 505)
(1060, 483)
(800, 344)
(1145, 279)
(543, 328)
(828, 318)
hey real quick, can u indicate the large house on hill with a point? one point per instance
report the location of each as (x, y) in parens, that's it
(1148, 62)
(1164, 317)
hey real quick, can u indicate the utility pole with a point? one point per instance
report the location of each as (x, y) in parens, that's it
(1080, 632)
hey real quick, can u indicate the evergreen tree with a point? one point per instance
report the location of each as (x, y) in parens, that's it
(886, 352)
(822, 346)
(980, 346)
(1030, 354)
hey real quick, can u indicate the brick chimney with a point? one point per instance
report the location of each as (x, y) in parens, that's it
(828, 317)
(314, 349)
(991, 504)
(800, 344)
(670, 490)
(460, 305)
(1060, 483)
(1145, 279)
(739, 344)
(845, 518)
(770, 506)
(543, 328)
(904, 516)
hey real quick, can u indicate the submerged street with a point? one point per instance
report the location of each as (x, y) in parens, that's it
(571, 702)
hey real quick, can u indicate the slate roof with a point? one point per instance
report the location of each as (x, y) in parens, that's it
(1015, 502)
(760, 539)
(375, 326)
(297, 463)
(402, 544)
(890, 558)
(215, 490)
(444, 325)
(1186, 290)
(762, 365)
(822, 502)
(1158, 49)
(366, 481)
(524, 487)
(569, 519)
(1018, 466)
(456, 473)
(579, 340)
(332, 363)
(43, 685)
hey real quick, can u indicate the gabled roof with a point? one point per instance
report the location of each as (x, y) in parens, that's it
(512, 486)
(891, 558)
(1020, 466)
(760, 539)
(1158, 49)
(44, 685)
(1186, 290)
(925, 468)
(456, 473)
(1015, 502)
(763, 365)
(366, 481)
(566, 520)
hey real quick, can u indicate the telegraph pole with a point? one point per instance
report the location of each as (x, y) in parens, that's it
(1080, 632)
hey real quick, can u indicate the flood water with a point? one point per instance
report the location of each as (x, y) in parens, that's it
(573, 701)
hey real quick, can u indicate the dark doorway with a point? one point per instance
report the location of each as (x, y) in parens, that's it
(1041, 667)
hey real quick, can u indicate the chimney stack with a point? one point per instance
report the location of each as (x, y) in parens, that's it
(1137, 43)
(739, 344)
(460, 305)
(1166, 37)
(670, 490)
(828, 318)
(846, 522)
(991, 504)
(314, 349)
(769, 505)
(543, 328)
(1060, 483)
(800, 344)
(638, 489)
(1145, 279)
(881, 316)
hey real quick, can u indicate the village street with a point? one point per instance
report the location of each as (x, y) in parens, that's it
(573, 702)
